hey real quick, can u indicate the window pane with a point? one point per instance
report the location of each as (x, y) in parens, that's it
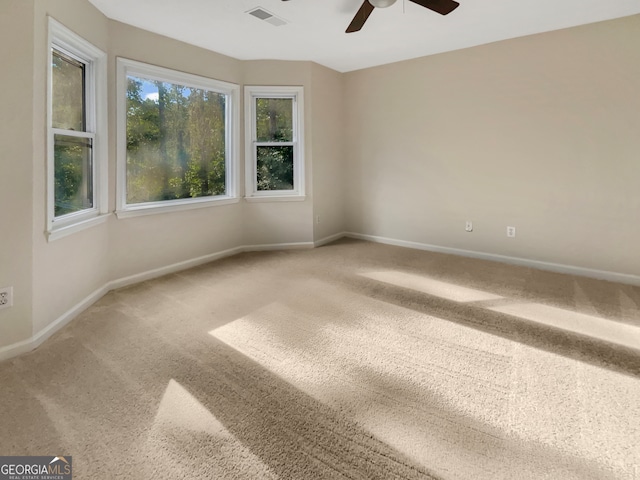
(176, 141)
(73, 174)
(275, 168)
(274, 119)
(68, 93)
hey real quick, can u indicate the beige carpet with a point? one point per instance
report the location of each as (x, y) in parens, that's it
(354, 360)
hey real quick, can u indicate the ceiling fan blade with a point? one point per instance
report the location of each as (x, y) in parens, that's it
(361, 16)
(442, 7)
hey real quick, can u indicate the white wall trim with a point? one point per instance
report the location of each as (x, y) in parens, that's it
(169, 206)
(38, 338)
(329, 239)
(277, 246)
(194, 262)
(173, 268)
(524, 262)
(67, 230)
(16, 349)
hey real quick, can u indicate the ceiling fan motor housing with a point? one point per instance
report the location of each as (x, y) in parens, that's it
(382, 3)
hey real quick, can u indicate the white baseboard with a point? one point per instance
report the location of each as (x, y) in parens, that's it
(329, 239)
(40, 337)
(524, 262)
(194, 262)
(16, 349)
(175, 267)
(37, 339)
(277, 246)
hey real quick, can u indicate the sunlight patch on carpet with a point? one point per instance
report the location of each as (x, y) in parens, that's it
(419, 283)
(576, 322)
(589, 325)
(390, 368)
(179, 409)
(185, 434)
(413, 379)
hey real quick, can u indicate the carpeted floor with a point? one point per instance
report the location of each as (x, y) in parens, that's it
(353, 360)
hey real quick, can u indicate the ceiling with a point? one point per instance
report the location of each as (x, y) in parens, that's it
(315, 31)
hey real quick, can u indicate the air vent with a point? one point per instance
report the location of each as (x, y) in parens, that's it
(269, 17)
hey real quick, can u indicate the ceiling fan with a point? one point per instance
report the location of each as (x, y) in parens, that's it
(443, 7)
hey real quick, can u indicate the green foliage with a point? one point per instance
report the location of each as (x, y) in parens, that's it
(274, 119)
(175, 144)
(275, 168)
(72, 175)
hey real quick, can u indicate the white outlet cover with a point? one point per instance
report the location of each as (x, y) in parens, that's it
(6, 297)
(511, 231)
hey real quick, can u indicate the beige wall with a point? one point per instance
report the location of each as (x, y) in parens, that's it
(16, 168)
(540, 133)
(327, 135)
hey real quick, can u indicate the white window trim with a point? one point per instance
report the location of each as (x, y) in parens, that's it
(60, 37)
(232, 117)
(252, 194)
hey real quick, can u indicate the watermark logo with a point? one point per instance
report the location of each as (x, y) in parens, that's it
(36, 468)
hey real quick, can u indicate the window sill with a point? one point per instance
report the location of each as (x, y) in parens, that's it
(276, 198)
(155, 208)
(66, 230)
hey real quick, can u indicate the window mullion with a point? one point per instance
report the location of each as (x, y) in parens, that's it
(73, 133)
(275, 144)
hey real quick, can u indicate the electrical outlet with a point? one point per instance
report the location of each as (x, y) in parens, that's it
(317, 218)
(469, 226)
(6, 297)
(511, 232)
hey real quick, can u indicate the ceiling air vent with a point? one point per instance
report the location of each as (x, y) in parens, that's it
(262, 14)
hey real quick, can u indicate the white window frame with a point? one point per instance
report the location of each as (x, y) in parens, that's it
(127, 67)
(252, 194)
(95, 61)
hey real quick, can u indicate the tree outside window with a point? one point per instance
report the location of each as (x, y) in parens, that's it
(175, 141)
(176, 137)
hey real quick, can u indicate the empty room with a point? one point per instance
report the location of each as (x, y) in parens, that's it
(320, 239)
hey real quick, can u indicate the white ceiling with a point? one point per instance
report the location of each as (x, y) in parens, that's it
(316, 28)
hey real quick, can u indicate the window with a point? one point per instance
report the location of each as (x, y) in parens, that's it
(274, 150)
(176, 140)
(76, 133)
